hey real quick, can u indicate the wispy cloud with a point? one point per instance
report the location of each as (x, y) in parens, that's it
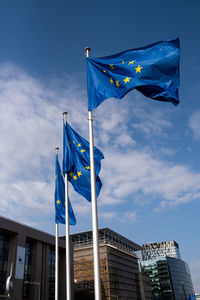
(194, 122)
(195, 271)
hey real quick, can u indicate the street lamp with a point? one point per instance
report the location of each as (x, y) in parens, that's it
(35, 283)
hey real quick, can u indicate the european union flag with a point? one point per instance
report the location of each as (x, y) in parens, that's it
(60, 198)
(152, 70)
(76, 162)
(192, 297)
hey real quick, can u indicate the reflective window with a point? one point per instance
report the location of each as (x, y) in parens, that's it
(27, 269)
(4, 250)
(51, 278)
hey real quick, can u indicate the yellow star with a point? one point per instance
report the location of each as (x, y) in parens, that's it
(73, 142)
(79, 173)
(58, 201)
(104, 71)
(131, 62)
(122, 61)
(87, 167)
(127, 79)
(71, 174)
(79, 145)
(82, 150)
(117, 83)
(75, 177)
(111, 80)
(138, 69)
(111, 66)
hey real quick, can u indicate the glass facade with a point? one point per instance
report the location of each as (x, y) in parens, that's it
(170, 278)
(27, 269)
(4, 250)
(181, 278)
(51, 277)
(159, 274)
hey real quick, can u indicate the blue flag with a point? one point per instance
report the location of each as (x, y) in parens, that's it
(152, 70)
(60, 198)
(192, 297)
(76, 162)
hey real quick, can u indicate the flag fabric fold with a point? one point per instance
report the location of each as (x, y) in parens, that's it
(60, 198)
(76, 162)
(192, 297)
(153, 70)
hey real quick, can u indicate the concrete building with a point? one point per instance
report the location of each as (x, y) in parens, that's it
(33, 257)
(170, 276)
(119, 271)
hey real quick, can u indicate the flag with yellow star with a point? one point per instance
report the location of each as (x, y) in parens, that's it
(152, 70)
(76, 162)
(60, 198)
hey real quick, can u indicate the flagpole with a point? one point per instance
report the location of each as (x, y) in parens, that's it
(68, 265)
(57, 256)
(95, 233)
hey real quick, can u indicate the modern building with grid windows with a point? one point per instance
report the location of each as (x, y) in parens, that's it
(153, 250)
(170, 276)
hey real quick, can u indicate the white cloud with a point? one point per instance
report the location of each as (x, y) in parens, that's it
(108, 215)
(195, 272)
(130, 216)
(194, 122)
(130, 172)
(31, 127)
(151, 120)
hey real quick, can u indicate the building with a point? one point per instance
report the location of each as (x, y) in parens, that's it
(119, 271)
(170, 276)
(32, 254)
(154, 250)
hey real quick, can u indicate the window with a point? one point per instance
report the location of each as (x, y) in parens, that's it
(27, 269)
(4, 249)
(51, 278)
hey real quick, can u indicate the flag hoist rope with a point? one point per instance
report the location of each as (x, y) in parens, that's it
(68, 265)
(57, 254)
(95, 233)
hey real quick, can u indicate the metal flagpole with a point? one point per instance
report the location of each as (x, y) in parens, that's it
(57, 256)
(68, 266)
(95, 232)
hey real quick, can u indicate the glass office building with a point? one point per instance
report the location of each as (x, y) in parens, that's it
(170, 276)
(161, 249)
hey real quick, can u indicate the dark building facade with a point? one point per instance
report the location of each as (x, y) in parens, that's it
(32, 255)
(170, 276)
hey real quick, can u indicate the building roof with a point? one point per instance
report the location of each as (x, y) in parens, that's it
(12, 227)
(161, 244)
(106, 236)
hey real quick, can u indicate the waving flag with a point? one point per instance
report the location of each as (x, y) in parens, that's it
(76, 162)
(152, 70)
(60, 198)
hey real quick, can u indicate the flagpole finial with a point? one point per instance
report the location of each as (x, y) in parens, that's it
(57, 148)
(87, 51)
(65, 117)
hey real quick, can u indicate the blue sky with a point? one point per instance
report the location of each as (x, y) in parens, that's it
(151, 171)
